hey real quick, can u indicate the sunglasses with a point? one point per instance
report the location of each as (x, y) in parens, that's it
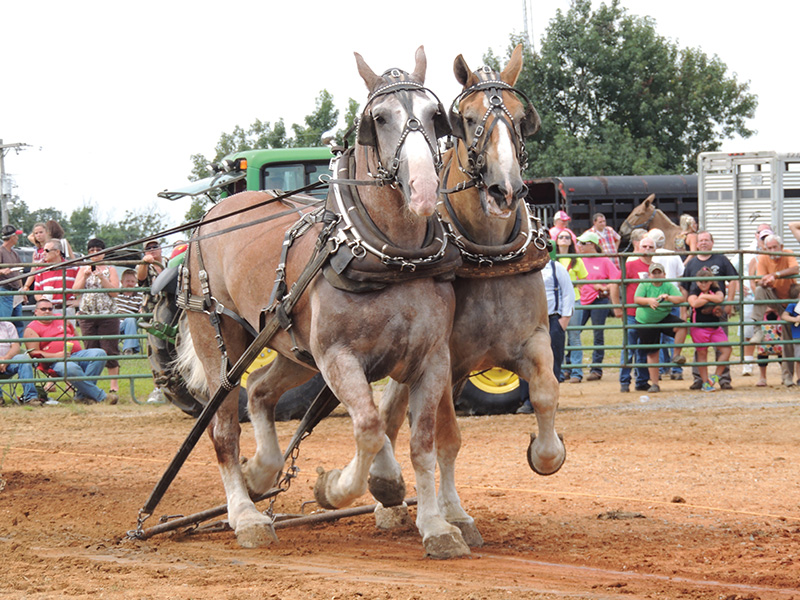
(45, 308)
(52, 250)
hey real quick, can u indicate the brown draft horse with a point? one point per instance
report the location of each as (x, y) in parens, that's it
(401, 330)
(499, 320)
(647, 216)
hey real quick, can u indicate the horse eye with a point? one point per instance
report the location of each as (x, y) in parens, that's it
(380, 120)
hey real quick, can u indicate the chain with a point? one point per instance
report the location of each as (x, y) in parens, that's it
(285, 482)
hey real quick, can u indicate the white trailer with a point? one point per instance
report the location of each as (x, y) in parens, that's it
(737, 192)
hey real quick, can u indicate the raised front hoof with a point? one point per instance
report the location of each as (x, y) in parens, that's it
(549, 466)
(393, 517)
(324, 480)
(389, 492)
(445, 545)
(256, 535)
(472, 537)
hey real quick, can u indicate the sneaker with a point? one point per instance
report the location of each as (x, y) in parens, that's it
(129, 352)
(594, 376)
(713, 379)
(654, 389)
(574, 379)
(525, 409)
(30, 401)
(696, 385)
(676, 376)
(708, 387)
(725, 386)
(624, 389)
(679, 359)
(642, 387)
(112, 397)
(788, 382)
(83, 400)
(747, 370)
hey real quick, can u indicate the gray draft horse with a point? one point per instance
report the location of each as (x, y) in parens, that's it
(501, 314)
(400, 330)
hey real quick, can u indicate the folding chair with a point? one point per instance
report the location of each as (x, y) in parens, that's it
(10, 388)
(50, 382)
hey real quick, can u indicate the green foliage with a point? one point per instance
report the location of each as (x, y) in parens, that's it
(134, 225)
(82, 226)
(616, 98)
(323, 119)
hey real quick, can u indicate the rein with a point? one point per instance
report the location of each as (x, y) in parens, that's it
(646, 224)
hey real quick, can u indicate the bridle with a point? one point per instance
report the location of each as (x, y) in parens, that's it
(645, 224)
(493, 87)
(398, 82)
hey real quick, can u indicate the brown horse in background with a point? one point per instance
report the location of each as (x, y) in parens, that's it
(400, 330)
(646, 216)
(501, 314)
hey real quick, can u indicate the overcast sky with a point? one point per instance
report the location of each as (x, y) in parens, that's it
(113, 98)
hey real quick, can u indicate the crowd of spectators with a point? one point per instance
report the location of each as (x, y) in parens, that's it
(69, 298)
(663, 309)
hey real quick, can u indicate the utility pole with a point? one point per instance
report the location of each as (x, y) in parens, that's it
(4, 148)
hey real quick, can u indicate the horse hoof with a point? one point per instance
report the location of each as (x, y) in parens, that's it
(324, 479)
(256, 535)
(472, 537)
(388, 492)
(445, 545)
(393, 517)
(551, 470)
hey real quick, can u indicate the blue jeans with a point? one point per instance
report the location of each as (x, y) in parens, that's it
(7, 309)
(640, 356)
(128, 328)
(84, 368)
(574, 357)
(598, 316)
(23, 371)
(666, 353)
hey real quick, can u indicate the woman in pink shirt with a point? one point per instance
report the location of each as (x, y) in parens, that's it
(596, 295)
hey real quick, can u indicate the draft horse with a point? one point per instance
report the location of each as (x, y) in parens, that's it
(501, 316)
(646, 216)
(388, 246)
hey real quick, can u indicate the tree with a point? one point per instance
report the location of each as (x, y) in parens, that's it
(616, 98)
(134, 225)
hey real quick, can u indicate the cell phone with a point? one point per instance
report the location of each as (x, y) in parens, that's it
(94, 268)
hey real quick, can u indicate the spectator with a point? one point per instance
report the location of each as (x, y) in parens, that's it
(705, 298)
(38, 238)
(673, 267)
(53, 284)
(686, 240)
(655, 298)
(98, 303)
(11, 365)
(748, 294)
(55, 232)
(609, 239)
(11, 304)
(560, 221)
(146, 271)
(577, 272)
(636, 268)
(87, 390)
(776, 282)
(560, 304)
(129, 302)
(596, 295)
(792, 316)
(720, 267)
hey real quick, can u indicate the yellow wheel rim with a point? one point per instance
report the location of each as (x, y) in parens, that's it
(267, 356)
(495, 381)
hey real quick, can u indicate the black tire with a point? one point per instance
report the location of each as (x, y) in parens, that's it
(486, 400)
(294, 403)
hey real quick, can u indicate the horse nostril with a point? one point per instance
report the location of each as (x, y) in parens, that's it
(522, 192)
(497, 191)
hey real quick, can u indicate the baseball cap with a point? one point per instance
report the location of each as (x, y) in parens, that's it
(656, 267)
(9, 230)
(562, 215)
(589, 236)
(151, 244)
(765, 233)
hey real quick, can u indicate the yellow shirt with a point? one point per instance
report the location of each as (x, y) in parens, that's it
(578, 271)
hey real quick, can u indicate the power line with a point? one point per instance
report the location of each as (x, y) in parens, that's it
(4, 149)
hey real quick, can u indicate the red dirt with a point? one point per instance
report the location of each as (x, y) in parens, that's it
(703, 490)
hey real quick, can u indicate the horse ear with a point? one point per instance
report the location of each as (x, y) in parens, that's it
(649, 199)
(367, 74)
(514, 66)
(421, 65)
(462, 72)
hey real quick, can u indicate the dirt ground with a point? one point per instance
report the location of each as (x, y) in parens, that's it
(682, 495)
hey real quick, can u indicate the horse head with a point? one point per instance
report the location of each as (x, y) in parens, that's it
(640, 217)
(490, 119)
(402, 121)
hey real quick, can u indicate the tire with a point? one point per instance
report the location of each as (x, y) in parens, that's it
(492, 392)
(294, 403)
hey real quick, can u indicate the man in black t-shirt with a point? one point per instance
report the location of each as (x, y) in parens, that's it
(720, 267)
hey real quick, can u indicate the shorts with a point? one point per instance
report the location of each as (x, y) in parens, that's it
(652, 333)
(102, 327)
(708, 335)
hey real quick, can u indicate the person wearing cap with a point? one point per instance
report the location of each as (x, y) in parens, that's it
(705, 299)
(103, 281)
(748, 294)
(776, 281)
(560, 220)
(655, 299)
(146, 272)
(609, 239)
(596, 295)
(720, 266)
(10, 304)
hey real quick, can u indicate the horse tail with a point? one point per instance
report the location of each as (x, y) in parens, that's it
(189, 366)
